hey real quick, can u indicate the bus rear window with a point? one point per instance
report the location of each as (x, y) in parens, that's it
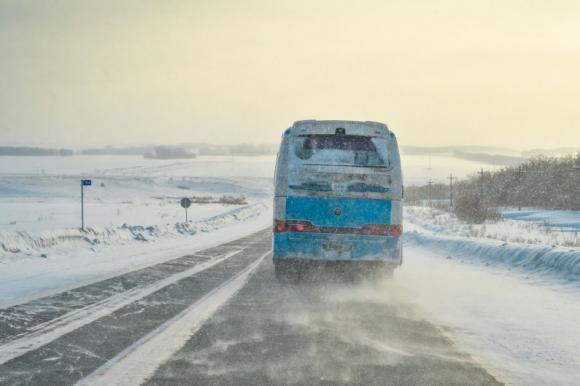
(340, 150)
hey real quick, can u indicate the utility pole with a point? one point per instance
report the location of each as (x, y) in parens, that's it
(520, 173)
(481, 173)
(451, 178)
(430, 183)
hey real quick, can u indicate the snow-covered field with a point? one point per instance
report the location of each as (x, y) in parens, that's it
(125, 189)
(534, 227)
(132, 215)
(556, 220)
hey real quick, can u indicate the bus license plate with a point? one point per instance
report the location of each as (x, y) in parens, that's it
(336, 247)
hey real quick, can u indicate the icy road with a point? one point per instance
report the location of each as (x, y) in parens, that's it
(218, 316)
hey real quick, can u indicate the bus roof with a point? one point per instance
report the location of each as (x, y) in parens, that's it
(367, 128)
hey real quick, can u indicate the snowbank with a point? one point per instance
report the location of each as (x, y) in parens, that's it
(457, 241)
(16, 245)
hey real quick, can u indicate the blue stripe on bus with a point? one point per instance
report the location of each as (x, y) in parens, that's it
(310, 246)
(355, 212)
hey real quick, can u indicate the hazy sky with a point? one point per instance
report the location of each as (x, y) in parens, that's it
(84, 73)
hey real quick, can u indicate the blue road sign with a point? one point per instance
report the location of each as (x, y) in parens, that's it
(86, 182)
(185, 202)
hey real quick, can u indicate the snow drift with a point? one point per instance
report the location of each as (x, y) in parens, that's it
(553, 260)
(532, 258)
(16, 244)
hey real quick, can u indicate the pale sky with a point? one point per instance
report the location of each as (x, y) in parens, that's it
(438, 72)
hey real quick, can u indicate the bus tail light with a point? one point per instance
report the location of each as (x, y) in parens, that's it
(396, 230)
(383, 229)
(294, 226)
(279, 226)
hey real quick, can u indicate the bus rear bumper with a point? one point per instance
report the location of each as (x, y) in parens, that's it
(337, 247)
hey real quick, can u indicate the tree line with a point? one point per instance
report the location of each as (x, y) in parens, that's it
(33, 151)
(540, 182)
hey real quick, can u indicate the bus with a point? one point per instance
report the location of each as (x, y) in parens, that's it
(338, 198)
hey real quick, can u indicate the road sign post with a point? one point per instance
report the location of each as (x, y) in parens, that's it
(185, 203)
(83, 184)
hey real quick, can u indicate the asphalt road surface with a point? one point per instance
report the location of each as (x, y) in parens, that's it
(219, 317)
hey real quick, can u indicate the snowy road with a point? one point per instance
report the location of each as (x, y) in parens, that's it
(220, 317)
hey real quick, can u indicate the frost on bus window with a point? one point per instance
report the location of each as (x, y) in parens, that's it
(347, 150)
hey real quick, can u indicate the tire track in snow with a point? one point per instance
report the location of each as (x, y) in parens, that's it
(54, 329)
(138, 362)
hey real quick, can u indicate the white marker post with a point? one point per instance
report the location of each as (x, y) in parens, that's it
(83, 184)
